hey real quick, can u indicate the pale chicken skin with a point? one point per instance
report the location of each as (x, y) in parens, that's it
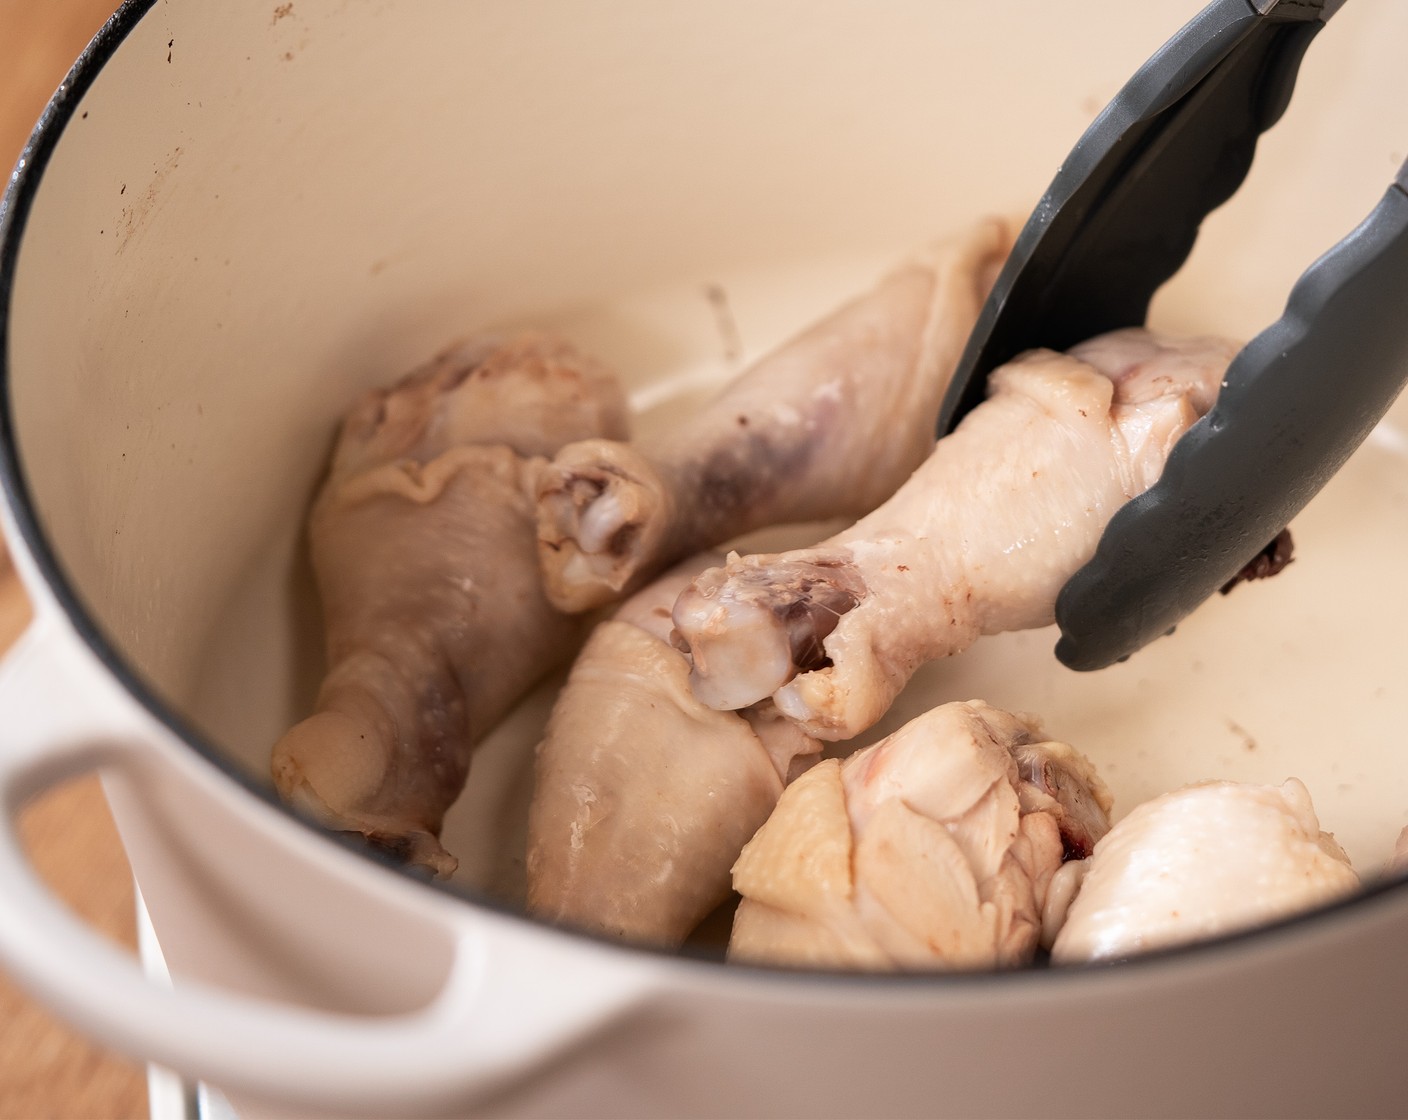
(980, 540)
(422, 548)
(783, 443)
(1200, 861)
(932, 849)
(643, 796)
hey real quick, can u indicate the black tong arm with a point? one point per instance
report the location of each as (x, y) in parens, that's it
(1119, 219)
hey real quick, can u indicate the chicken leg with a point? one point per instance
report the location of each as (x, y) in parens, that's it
(1200, 861)
(422, 548)
(784, 443)
(644, 797)
(978, 541)
(933, 848)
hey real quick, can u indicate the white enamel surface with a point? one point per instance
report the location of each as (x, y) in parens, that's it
(337, 989)
(232, 242)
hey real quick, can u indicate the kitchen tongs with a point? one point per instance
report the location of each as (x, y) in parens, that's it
(1118, 220)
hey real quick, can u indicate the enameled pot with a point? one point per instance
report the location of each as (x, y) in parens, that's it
(232, 217)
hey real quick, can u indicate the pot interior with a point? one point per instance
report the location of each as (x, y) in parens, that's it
(257, 211)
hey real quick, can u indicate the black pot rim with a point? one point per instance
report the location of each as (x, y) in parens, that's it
(15, 206)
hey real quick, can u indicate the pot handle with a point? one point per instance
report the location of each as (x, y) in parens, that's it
(513, 996)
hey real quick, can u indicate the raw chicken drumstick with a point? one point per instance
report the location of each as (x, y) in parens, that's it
(978, 541)
(422, 547)
(1203, 860)
(644, 797)
(826, 426)
(933, 848)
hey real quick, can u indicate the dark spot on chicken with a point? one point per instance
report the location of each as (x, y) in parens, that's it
(1268, 562)
(808, 623)
(396, 847)
(724, 483)
(624, 539)
(1082, 821)
(810, 608)
(751, 469)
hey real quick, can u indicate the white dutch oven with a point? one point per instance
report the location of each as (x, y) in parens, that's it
(235, 216)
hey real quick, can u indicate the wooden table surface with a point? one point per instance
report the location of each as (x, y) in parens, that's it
(46, 1071)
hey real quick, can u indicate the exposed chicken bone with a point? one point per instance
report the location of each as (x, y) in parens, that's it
(979, 541)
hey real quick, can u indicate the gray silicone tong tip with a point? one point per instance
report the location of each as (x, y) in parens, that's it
(1119, 219)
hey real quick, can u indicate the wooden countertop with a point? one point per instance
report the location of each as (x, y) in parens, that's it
(46, 1071)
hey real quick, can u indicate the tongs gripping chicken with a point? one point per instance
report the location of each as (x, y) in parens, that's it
(1119, 219)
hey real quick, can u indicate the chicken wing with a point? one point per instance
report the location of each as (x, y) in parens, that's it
(931, 849)
(644, 797)
(826, 426)
(422, 548)
(1203, 860)
(978, 541)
